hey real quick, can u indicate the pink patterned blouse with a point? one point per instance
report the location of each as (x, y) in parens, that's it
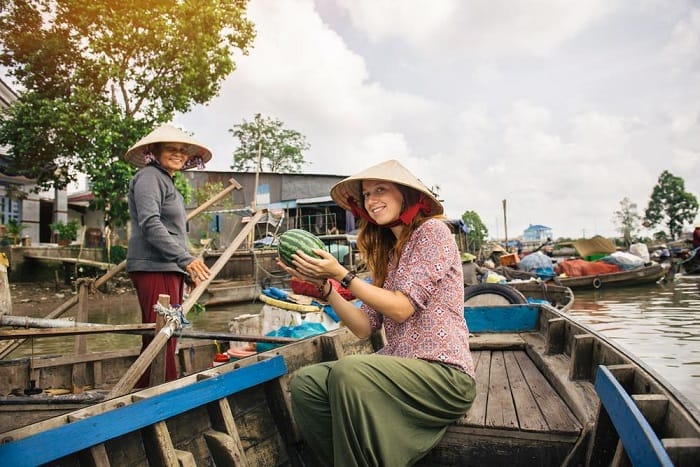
(429, 273)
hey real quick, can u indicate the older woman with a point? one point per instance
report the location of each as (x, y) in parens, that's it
(158, 258)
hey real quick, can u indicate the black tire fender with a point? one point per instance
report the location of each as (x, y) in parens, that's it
(503, 292)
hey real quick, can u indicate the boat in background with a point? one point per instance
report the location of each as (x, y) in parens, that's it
(519, 292)
(549, 390)
(649, 274)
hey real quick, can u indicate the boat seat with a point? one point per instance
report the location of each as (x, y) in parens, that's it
(517, 417)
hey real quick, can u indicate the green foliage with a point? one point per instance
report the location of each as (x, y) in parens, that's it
(14, 230)
(183, 186)
(627, 220)
(478, 233)
(98, 75)
(280, 149)
(65, 230)
(204, 194)
(670, 204)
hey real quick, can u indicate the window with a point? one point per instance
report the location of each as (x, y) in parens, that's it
(9, 209)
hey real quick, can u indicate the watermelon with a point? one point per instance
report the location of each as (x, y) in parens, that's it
(298, 239)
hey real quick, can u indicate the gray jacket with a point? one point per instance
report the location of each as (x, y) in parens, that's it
(158, 241)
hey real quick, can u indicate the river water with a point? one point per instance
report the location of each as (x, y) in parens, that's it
(660, 323)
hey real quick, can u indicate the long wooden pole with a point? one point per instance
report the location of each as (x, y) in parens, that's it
(8, 347)
(139, 329)
(127, 382)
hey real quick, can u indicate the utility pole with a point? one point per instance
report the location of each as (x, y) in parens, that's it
(505, 224)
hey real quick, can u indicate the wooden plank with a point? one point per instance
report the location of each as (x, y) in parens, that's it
(654, 407)
(556, 413)
(157, 373)
(682, 451)
(96, 456)
(500, 409)
(529, 415)
(159, 447)
(222, 420)
(555, 336)
(78, 373)
(496, 341)
(221, 446)
(510, 318)
(581, 357)
(185, 458)
(81, 434)
(641, 443)
(70, 260)
(476, 416)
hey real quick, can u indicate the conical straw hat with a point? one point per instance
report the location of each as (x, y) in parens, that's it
(348, 192)
(136, 155)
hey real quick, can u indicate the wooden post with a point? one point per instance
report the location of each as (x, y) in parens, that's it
(8, 347)
(5, 297)
(78, 376)
(157, 375)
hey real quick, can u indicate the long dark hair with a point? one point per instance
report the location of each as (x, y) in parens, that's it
(376, 243)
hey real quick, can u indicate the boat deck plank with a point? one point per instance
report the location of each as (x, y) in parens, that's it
(512, 394)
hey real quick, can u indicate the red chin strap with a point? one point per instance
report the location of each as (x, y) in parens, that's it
(405, 218)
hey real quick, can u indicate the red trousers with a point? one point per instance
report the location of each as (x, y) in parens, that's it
(148, 286)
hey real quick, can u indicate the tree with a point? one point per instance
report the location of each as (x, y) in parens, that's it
(478, 233)
(671, 204)
(98, 75)
(280, 149)
(627, 219)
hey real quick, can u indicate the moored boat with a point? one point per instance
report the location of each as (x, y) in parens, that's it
(519, 292)
(640, 276)
(550, 391)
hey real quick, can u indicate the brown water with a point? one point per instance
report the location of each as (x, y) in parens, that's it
(658, 323)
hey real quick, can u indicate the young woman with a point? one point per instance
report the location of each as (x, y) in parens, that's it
(392, 407)
(158, 257)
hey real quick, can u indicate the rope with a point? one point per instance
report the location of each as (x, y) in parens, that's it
(86, 280)
(173, 314)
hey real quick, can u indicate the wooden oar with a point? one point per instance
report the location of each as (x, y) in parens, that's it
(127, 382)
(8, 347)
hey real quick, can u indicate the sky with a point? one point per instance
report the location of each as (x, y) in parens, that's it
(560, 108)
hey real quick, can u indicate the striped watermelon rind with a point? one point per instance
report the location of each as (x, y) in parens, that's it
(297, 239)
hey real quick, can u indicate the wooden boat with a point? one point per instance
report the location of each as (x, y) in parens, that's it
(519, 292)
(550, 392)
(640, 276)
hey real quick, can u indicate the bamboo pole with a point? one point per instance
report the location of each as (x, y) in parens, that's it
(127, 382)
(139, 329)
(7, 348)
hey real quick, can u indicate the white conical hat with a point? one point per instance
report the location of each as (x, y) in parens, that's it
(136, 155)
(348, 192)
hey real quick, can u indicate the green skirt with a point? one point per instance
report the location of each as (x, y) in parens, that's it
(377, 410)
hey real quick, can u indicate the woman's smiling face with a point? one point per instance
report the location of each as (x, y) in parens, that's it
(383, 200)
(173, 156)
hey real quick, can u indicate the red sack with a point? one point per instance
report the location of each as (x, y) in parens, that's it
(307, 288)
(579, 267)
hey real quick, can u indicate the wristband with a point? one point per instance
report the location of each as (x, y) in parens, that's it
(345, 281)
(321, 288)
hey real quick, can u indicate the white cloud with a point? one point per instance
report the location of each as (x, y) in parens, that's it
(560, 108)
(481, 27)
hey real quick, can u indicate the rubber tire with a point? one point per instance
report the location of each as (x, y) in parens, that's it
(488, 294)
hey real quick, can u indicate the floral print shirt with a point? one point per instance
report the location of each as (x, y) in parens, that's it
(429, 273)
